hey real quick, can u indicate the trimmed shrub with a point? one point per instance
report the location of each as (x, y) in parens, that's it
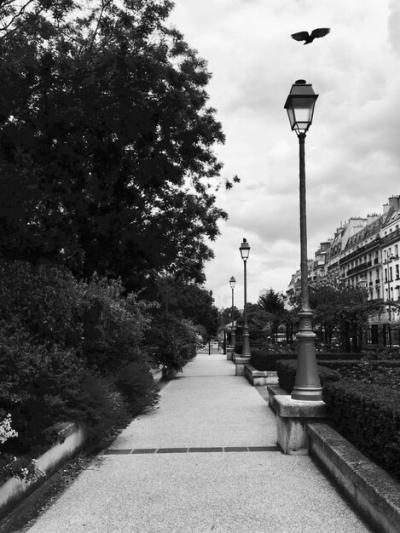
(369, 370)
(368, 415)
(263, 360)
(287, 374)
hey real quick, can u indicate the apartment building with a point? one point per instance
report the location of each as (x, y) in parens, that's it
(364, 252)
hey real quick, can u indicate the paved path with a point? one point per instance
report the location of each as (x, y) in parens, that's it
(132, 489)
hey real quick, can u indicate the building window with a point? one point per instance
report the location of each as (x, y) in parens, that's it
(396, 250)
(397, 272)
(391, 273)
(386, 278)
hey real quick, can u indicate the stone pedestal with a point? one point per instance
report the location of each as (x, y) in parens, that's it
(291, 417)
(240, 363)
(229, 353)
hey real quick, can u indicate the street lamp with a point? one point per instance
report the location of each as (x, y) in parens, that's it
(244, 252)
(300, 109)
(232, 283)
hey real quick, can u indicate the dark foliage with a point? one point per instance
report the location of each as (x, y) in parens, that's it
(62, 343)
(106, 160)
(266, 360)
(368, 415)
(136, 383)
(171, 342)
(188, 301)
(262, 360)
(287, 374)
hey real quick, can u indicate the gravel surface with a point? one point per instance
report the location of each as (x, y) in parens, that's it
(198, 492)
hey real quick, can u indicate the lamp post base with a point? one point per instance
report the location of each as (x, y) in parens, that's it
(246, 343)
(307, 385)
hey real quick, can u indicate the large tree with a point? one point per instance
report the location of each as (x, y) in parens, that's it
(272, 304)
(106, 140)
(342, 310)
(188, 301)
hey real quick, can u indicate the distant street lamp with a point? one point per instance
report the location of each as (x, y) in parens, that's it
(300, 109)
(244, 252)
(232, 283)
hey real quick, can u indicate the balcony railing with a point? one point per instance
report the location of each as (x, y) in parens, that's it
(359, 268)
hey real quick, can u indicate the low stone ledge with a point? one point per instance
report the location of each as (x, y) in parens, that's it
(291, 419)
(70, 438)
(286, 407)
(274, 390)
(372, 491)
(229, 353)
(240, 363)
(260, 377)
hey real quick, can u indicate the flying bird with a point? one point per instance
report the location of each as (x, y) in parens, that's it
(305, 36)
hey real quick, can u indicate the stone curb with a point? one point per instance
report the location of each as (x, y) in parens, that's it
(260, 377)
(272, 391)
(371, 490)
(70, 438)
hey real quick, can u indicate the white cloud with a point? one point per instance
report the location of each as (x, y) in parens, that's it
(352, 155)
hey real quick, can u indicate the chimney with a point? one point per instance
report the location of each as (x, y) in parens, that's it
(385, 208)
(394, 202)
(372, 218)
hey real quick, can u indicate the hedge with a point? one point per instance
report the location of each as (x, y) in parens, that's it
(368, 415)
(287, 374)
(262, 360)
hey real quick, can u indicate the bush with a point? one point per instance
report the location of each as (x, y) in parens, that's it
(171, 342)
(287, 374)
(39, 386)
(136, 384)
(62, 342)
(266, 360)
(368, 415)
(113, 325)
(371, 371)
(262, 360)
(100, 406)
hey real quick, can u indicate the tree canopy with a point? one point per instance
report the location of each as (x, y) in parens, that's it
(188, 301)
(106, 146)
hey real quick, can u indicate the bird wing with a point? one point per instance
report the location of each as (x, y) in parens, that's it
(300, 36)
(319, 32)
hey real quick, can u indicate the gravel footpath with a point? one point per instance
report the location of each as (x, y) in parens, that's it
(132, 489)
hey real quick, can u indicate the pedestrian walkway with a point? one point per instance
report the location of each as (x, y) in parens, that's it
(206, 460)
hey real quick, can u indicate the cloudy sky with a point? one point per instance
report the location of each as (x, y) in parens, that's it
(352, 148)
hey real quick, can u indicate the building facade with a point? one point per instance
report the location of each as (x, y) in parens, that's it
(364, 252)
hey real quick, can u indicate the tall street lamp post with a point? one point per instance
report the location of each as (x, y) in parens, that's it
(244, 252)
(300, 109)
(232, 283)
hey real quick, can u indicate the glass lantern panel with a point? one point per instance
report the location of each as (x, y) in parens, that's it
(244, 252)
